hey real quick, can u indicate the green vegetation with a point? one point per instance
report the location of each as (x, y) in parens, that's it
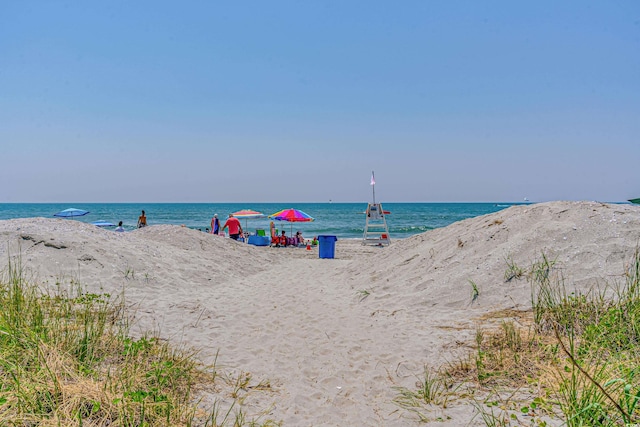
(363, 294)
(66, 359)
(475, 292)
(433, 388)
(513, 271)
(577, 357)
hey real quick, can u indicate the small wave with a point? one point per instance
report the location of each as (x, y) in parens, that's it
(411, 229)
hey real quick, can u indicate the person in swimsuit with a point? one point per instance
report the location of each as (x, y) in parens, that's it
(142, 220)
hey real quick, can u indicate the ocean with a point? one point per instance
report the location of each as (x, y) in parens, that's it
(344, 220)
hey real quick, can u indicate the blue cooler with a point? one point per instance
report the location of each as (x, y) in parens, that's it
(326, 246)
(259, 240)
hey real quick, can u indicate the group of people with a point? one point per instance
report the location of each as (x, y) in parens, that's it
(284, 240)
(142, 222)
(232, 223)
(236, 232)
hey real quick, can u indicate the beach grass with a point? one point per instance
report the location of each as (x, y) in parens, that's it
(66, 358)
(575, 357)
(433, 387)
(513, 271)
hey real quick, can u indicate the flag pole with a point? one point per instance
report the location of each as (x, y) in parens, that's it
(373, 186)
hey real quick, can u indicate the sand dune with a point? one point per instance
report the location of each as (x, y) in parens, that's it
(332, 337)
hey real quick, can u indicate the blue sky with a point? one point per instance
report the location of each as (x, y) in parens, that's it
(299, 101)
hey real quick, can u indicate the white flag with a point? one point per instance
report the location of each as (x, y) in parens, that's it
(373, 180)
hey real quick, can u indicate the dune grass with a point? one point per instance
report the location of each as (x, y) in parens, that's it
(598, 379)
(66, 359)
(576, 359)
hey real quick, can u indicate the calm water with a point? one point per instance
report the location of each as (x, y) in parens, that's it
(345, 220)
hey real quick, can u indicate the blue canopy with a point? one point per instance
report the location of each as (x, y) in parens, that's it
(102, 223)
(67, 213)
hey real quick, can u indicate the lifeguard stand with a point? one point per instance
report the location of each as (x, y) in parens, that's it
(376, 231)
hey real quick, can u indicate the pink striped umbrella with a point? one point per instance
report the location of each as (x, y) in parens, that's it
(291, 215)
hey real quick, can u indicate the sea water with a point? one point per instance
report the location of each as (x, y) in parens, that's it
(344, 220)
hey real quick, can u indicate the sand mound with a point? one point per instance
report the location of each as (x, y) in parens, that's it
(589, 242)
(332, 337)
(60, 248)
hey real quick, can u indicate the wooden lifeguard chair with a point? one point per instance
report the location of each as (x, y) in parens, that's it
(376, 231)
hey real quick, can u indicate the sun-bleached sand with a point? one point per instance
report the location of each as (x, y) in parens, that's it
(332, 337)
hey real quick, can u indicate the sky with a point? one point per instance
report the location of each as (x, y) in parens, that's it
(299, 101)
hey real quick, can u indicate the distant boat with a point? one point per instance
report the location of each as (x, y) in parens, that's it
(636, 201)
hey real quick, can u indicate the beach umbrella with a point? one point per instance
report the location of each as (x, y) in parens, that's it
(247, 214)
(291, 215)
(71, 212)
(103, 223)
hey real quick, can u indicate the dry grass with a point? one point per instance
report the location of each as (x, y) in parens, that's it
(511, 356)
(66, 360)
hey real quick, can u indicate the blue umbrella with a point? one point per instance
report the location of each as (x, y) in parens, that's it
(68, 213)
(102, 223)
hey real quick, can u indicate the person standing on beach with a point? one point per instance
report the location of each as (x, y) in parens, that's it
(215, 224)
(142, 220)
(235, 228)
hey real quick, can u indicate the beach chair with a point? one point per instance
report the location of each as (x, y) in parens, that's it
(275, 239)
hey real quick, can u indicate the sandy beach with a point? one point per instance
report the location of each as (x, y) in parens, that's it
(333, 338)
